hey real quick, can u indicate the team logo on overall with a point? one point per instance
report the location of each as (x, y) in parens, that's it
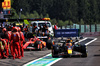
(14, 36)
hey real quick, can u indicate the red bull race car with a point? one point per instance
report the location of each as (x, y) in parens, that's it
(35, 43)
(68, 48)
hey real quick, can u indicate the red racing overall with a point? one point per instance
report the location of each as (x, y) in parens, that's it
(3, 48)
(15, 38)
(22, 38)
(10, 45)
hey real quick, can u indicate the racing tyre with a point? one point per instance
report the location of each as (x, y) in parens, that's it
(55, 51)
(38, 45)
(84, 50)
(50, 43)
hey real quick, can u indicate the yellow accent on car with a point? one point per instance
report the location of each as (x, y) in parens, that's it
(69, 51)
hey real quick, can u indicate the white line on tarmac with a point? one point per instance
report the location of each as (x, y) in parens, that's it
(41, 58)
(35, 60)
(91, 41)
(81, 40)
(54, 62)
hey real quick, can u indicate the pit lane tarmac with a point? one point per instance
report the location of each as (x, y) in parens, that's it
(48, 60)
(32, 55)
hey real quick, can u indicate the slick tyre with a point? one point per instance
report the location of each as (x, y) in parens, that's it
(38, 45)
(84, 51)
(55, 51)
(50, 43)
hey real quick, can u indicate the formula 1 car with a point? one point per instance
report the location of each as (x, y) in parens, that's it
(35, 43)
(68, 48)
(44, 38)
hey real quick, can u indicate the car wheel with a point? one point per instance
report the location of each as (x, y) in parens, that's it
(50, 43)
(84, 51)
(55, 51)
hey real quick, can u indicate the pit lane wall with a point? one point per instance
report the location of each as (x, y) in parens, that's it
(89, 34)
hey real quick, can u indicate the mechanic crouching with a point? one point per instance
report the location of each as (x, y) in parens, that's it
(3, 48)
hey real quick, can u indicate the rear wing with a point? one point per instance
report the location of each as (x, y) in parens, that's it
(66, 33)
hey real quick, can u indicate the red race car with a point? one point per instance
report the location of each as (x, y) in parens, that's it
(34, 43)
